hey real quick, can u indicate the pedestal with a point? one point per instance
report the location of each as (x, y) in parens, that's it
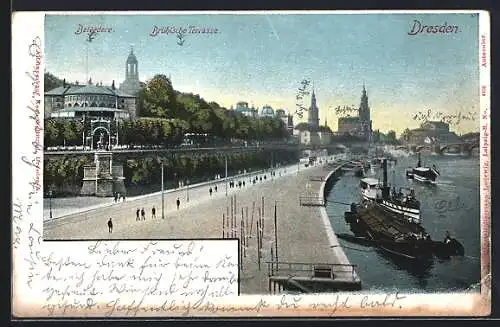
(102, 178)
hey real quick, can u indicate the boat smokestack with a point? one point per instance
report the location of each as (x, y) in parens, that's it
(385, 188)
(419, 162)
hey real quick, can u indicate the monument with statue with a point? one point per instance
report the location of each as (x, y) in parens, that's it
(102, 177)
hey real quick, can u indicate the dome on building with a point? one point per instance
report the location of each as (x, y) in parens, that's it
(280, 112)
(242, 105)
(267, 111)
(131, 59)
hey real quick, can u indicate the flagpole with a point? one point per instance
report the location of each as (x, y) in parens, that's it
(87, 59)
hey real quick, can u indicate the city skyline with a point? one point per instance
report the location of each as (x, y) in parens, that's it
(262, 59)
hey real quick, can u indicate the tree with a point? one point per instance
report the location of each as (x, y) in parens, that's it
(51, 82)
(158, 98)
(391, 135)
(376, 136)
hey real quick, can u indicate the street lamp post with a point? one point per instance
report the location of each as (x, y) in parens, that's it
(187, 190)
(50, 204)
(162, 193)
(226, 173)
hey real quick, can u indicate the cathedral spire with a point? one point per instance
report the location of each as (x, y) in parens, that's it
(313, 118)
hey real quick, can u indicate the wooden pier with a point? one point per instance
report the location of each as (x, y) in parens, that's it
(311, 277)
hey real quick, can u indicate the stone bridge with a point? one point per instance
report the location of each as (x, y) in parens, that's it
(442, 147)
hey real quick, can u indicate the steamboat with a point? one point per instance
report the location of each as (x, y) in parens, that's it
(423, 174)
(402, 202)
(374, 224)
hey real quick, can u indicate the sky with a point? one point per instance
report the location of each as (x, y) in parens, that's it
(262, 58)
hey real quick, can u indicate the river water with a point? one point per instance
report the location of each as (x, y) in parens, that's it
(453, 205)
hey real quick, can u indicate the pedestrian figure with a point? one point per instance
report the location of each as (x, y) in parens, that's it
(210, 191)
(153, 213)
(143, 214)
(137, 214)
(264, 177)
(243, 183)
(216, 188)
(116, 197)
(123, 197)
(178, 203)
(110, 226)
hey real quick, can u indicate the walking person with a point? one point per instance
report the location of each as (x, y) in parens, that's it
(153, 213)
(215, 188)
(178, 203)
(143, 214)
(110, 226)
(137, 214)
(210, 191)
(116, 197)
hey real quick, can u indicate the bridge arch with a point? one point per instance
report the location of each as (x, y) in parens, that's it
(451, 145)
(423, 147)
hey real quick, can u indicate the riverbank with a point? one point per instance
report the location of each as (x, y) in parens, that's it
(302, 233)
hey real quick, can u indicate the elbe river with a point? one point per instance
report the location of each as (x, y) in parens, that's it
(453, 205)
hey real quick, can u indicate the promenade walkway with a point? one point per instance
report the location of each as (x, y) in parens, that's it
(304, 233)
(89, 220)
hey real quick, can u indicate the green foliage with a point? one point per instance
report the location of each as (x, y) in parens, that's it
(158, 98)
(143, 171)
(62, 131)
(51, 82)
(166, 115)
(58, 172)
(391, 135)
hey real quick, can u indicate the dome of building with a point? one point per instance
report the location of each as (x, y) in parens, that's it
(131, 59)
(280, 112)
(267, 111)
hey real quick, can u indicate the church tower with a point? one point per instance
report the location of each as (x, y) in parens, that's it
(131, 85)
(313, 118)
(364, 109)
(364, 114)
(131, 70)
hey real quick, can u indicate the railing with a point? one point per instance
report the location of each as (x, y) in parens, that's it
(312, 201)
(317, 178)
(311, 270)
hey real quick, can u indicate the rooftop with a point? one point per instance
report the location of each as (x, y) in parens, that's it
(90, 109)
(61, 90)
(91, 89)
(87, 89)
(349, 119)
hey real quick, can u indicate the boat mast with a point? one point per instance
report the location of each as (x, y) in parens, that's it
(419, 162)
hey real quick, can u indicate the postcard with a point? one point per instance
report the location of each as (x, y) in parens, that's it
(251, 163)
